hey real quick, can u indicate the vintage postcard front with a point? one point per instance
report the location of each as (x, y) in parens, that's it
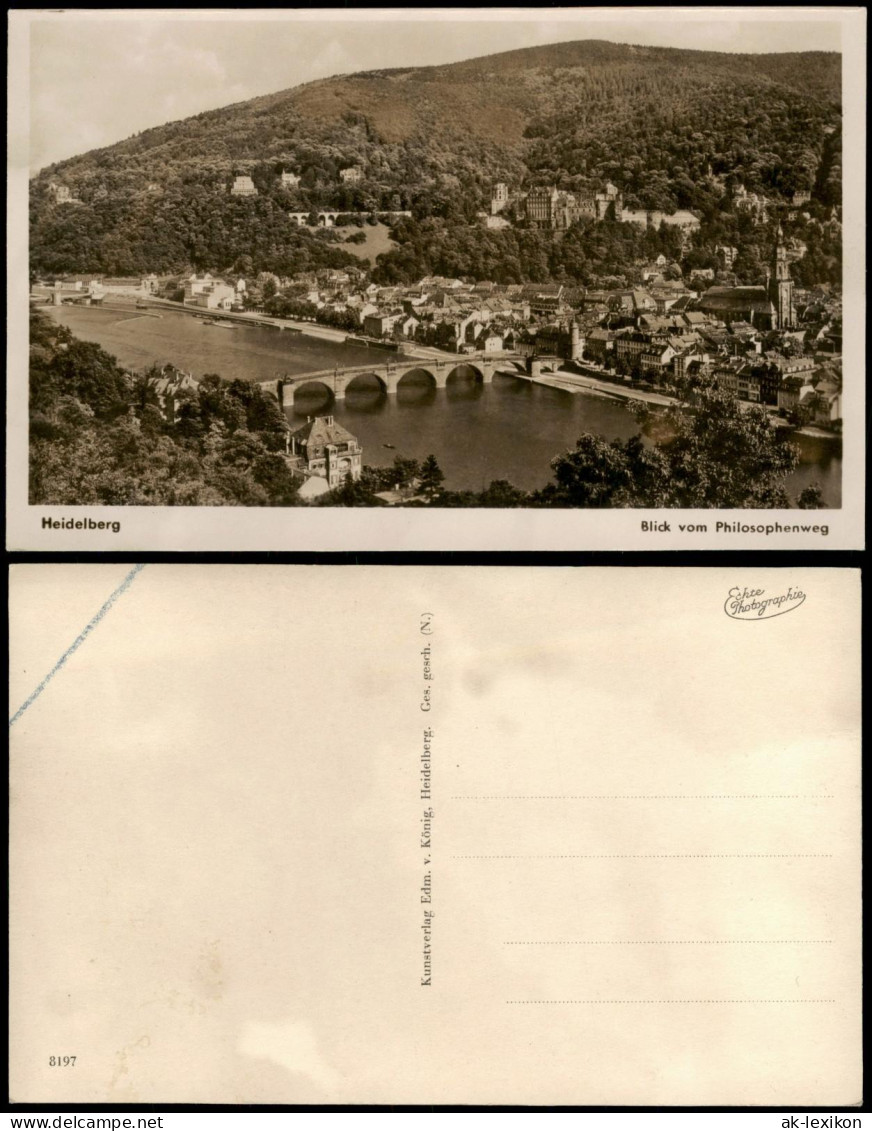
(437, 279)
(435, 835)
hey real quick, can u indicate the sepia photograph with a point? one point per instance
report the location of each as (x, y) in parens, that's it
(588, 261)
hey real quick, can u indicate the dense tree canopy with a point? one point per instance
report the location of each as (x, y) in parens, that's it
(594, 254)
(708, 450)
(98, 436)
(671, 129)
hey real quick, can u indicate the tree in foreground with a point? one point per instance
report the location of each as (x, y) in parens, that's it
(706, 451)
(431, 478)
(599, 473)
(811, 498)
(351, 493)
(99, 437)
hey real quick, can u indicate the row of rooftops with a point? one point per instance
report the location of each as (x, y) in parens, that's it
(439, 290)
(740, 340)
(437, 299)
(665, 308)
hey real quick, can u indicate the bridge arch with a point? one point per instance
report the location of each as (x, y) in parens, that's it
(383, 384)
(415, 371)
(476, 372)
(309, 386)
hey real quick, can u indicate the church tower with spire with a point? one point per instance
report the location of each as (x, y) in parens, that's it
(781, 285)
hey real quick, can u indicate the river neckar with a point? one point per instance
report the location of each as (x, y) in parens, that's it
(509, 429)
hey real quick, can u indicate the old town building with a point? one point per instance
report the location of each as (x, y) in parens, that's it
(243, 186)
(770, 306)
(323, 449)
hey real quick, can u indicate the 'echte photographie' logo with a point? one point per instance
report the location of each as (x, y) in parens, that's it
(754, 604)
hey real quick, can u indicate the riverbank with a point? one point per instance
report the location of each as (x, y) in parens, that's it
(310, 329)
(582, 383)
(509, 429)
(169, 333)
(809, 430)
(251, 318)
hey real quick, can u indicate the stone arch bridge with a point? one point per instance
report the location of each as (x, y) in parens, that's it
(390, 373)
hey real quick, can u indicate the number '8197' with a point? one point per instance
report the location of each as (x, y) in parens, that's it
(62, 1062)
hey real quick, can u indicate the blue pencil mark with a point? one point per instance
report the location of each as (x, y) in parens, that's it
(80, 639)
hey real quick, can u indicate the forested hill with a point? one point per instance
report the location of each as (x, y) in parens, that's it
(664, 125)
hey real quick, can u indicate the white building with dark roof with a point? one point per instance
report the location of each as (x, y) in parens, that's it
(325, 450)
(243, 186)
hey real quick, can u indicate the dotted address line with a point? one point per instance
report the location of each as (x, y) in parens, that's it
(678, 1001)
(643, 797)
(669, 942)
(666, 856)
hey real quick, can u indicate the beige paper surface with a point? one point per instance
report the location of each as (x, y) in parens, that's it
(638, 843)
